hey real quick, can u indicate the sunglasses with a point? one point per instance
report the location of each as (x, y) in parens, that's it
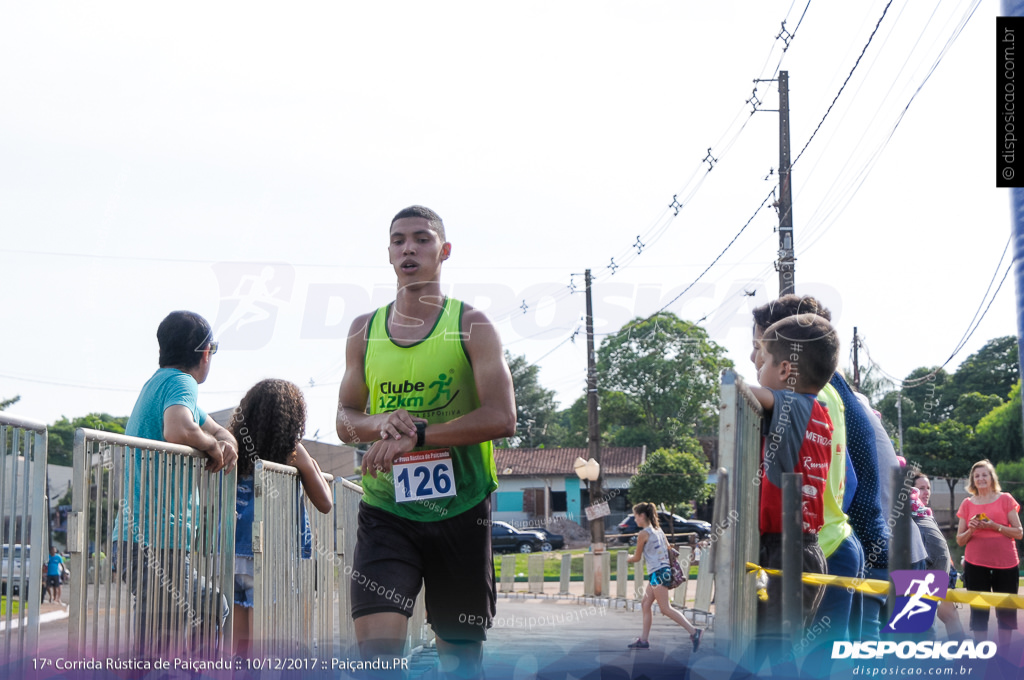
(213, 347)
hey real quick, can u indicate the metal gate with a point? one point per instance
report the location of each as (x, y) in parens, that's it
(152, 541)
(735, 526)
(24, 524)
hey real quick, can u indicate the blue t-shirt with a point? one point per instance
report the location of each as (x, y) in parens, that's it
(244, 515)
(53, 565)
(168, 387)
(244, 506)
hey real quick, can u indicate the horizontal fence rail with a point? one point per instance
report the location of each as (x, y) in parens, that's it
(23, 530)
(152, 540)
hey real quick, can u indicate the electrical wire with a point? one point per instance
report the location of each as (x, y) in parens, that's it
(850, 75)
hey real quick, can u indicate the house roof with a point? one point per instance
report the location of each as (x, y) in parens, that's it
(615, 461)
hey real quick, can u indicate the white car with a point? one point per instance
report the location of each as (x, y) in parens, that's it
(12, 566)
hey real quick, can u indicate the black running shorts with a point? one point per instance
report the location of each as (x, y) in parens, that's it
(451, 556)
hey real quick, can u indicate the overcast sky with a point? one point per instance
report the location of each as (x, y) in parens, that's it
(244, 161)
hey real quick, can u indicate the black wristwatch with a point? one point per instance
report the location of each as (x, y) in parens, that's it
(421, 433)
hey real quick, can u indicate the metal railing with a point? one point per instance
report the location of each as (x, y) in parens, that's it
(346, 509)
(23, 529)
(735, 520)
(294, 582)
(168, 527)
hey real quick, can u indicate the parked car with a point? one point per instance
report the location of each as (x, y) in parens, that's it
(505, 537)
(12, 567)
(667, 522)
(551, 541)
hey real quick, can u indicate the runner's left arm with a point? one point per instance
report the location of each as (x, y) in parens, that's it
(496, 416)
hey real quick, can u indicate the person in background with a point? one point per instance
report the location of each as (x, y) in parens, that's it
(937, 548)
(54, 574)
(798, 355)
(839, 613)
(268, 425)
(653, 547)
(989, 525)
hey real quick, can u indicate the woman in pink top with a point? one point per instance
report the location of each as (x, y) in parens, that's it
(989, 524)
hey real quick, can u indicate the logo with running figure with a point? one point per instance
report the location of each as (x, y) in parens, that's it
(915, 608)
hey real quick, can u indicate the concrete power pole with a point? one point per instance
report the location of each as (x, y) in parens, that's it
(594, 432)
(856, 363)
(787, 259)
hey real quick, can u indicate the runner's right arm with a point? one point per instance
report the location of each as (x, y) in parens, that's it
(354, 424)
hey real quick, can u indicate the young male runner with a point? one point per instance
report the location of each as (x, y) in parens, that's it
(426, 372)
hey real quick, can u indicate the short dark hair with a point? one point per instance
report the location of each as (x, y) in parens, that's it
(182, 336)
(433, 219)
(788, 305)
(268, 423)
(810, 342)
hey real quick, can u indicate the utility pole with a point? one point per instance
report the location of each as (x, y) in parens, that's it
(594, 432)
(899, 419)
(856, 364)
(787, 266)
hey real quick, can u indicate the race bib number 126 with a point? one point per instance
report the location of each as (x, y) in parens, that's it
(423, 475)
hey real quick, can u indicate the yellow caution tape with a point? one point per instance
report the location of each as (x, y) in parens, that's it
(879, 587)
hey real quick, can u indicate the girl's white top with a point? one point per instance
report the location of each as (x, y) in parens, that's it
(655, 549)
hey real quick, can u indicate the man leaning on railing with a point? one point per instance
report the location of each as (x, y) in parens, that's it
(167, 410)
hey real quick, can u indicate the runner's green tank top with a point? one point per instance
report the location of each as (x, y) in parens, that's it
(431, 379)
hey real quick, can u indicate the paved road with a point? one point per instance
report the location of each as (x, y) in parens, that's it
(558, 639)
(550, 638)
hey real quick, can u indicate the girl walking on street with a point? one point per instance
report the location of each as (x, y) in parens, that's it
(653, 547)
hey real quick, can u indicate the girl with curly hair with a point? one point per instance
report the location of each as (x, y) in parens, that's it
(268, 425)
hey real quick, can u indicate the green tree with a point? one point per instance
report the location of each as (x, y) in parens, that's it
(669, 369)
(4, 403)
(61, 434)
(1011, 476)
(673, 477)
(942, 449)
(993, 369)
(568, 427)
(972, 407)
(924, 401)
(998, 435)
(535, 405)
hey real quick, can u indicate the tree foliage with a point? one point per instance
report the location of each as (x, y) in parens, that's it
(972, 407)
(669, 369)
(535, 405)
(61, 434)
(4, 403)
(921, 403)
(993, 369)
(672, 477)
(943, 449)
(1011, 477)
(998, 435)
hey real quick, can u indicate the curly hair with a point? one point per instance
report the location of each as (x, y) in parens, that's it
(268, 424)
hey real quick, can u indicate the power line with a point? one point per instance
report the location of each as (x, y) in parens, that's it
(850, 75)
(971, 328)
